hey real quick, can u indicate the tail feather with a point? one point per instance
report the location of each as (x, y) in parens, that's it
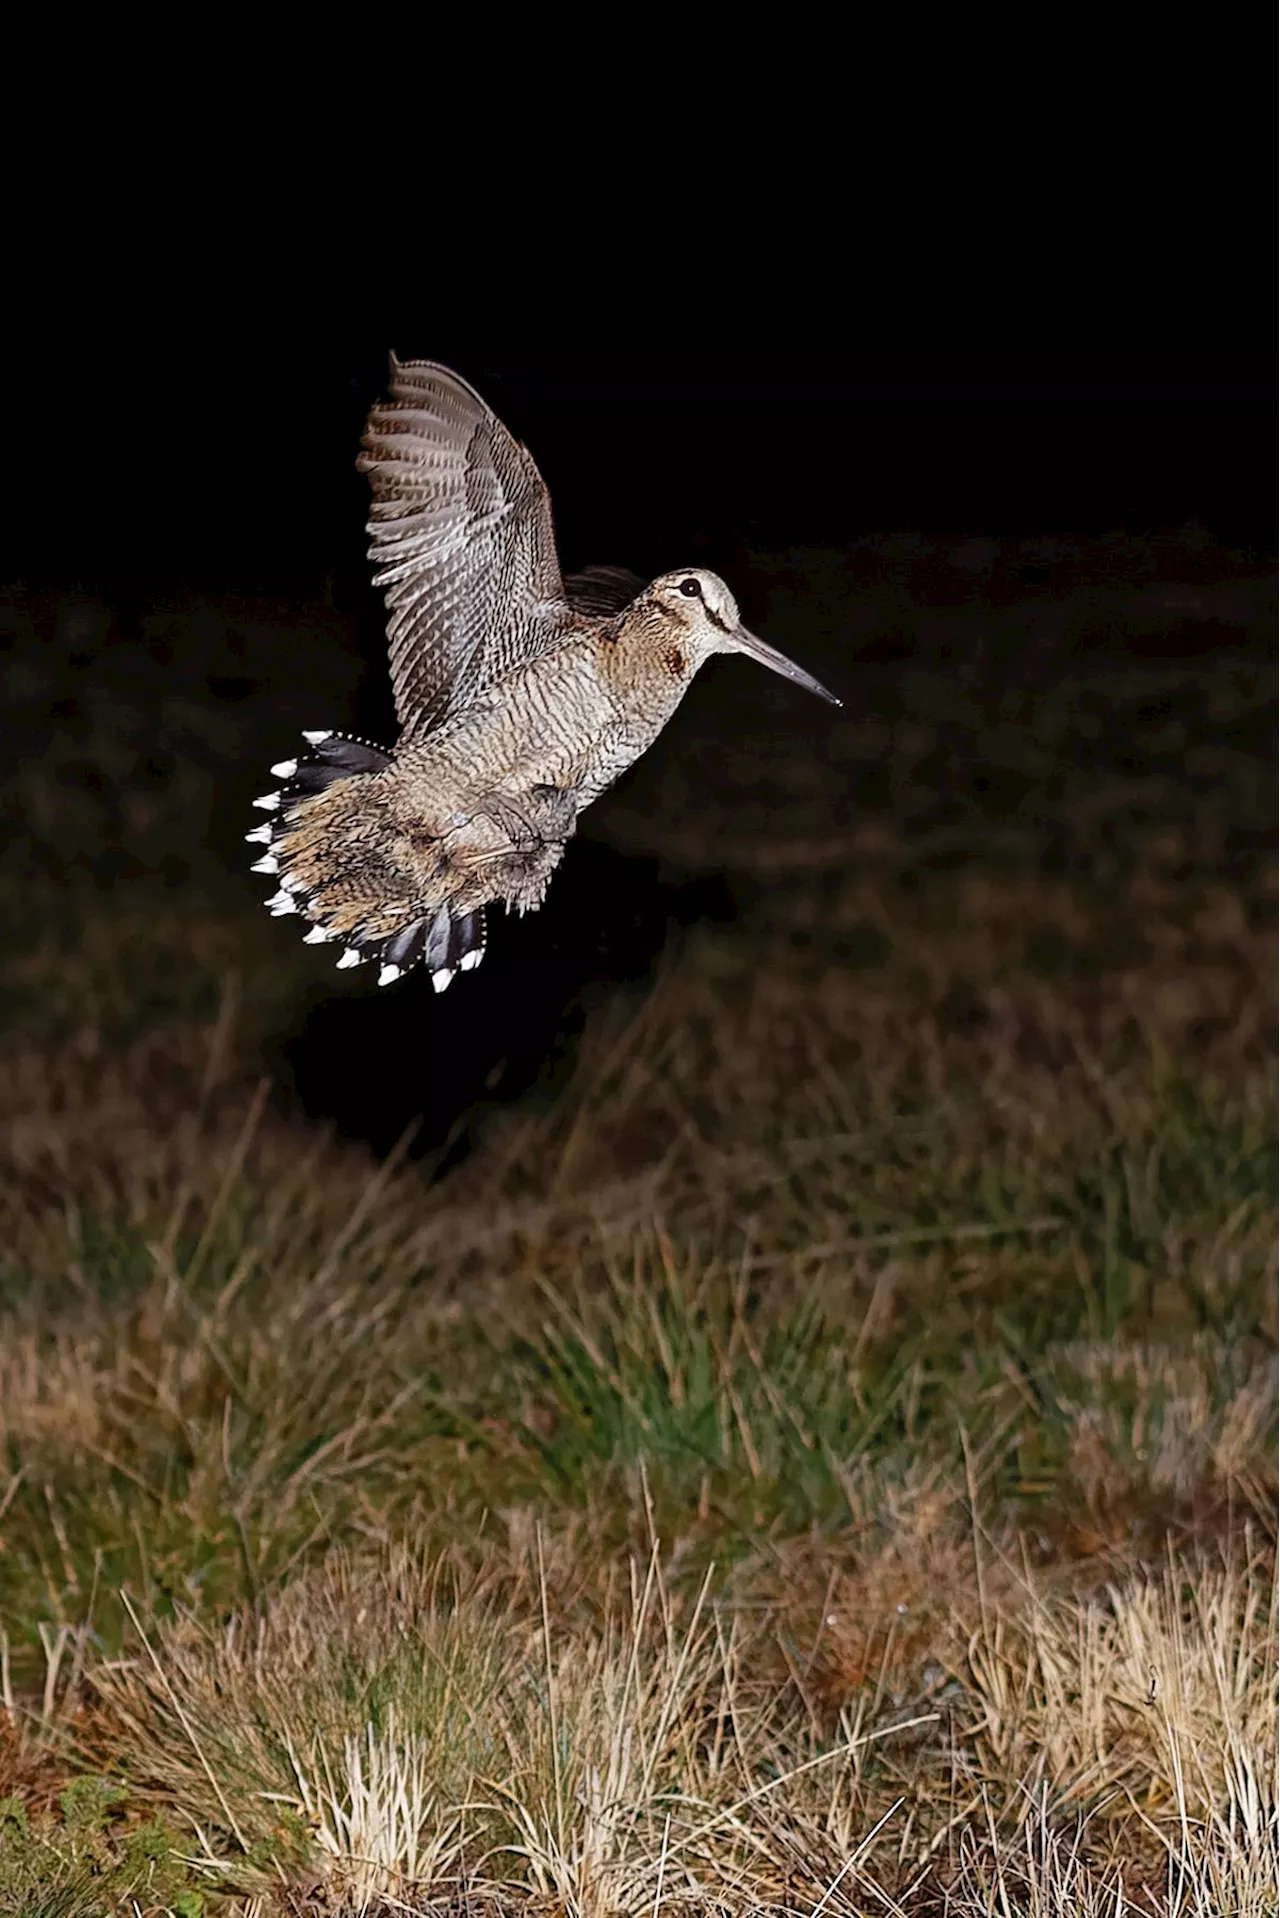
(301, 858)
(467, 940)
(444, 944)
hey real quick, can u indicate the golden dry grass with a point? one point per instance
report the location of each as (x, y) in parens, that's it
(817, 1457)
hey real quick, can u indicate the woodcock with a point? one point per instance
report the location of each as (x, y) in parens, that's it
(521, 696)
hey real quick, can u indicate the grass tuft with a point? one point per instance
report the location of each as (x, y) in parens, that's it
(814, 1454)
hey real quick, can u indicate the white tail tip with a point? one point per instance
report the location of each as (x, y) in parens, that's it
(318, 936)
(269, 802)
(349, 958)
(387, 974)
(470, 960)
(316, 739)
(268, 863)
(281, 903)
(260, 836)
(284, 769)
(441, 979)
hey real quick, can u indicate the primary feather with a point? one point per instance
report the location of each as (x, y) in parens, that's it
(462, 543)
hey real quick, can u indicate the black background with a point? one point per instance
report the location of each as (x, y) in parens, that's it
(163, 462)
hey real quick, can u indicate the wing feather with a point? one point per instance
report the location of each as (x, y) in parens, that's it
(602, 590)
(462, 544)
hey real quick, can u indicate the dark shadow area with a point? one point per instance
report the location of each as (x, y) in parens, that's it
(374, 1064)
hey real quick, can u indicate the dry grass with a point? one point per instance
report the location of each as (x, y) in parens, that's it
(819, 1457)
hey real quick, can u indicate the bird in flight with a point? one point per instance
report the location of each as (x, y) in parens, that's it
(521, 696)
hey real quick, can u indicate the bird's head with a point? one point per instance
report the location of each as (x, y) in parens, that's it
(702, 617)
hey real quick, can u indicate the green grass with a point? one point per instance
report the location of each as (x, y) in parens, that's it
(86, 1859)
(767, 1470)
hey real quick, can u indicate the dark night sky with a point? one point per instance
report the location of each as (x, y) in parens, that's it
(238, 469)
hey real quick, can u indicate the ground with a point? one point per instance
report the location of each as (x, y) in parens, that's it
(793, 1428)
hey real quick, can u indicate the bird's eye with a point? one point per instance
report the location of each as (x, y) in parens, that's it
(691, 588)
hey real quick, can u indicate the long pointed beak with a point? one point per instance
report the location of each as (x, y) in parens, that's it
(745, 642)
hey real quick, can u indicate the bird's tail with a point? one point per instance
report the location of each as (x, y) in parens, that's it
(330, 844)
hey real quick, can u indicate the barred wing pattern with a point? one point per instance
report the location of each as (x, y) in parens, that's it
(462, 542)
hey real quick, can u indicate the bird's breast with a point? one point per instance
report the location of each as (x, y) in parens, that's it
(567, 721)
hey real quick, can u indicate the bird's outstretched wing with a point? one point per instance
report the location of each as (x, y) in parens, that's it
(462, 544)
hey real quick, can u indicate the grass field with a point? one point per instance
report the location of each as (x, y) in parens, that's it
(805, 1442)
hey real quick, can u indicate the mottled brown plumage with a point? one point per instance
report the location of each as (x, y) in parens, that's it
(521, 696)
